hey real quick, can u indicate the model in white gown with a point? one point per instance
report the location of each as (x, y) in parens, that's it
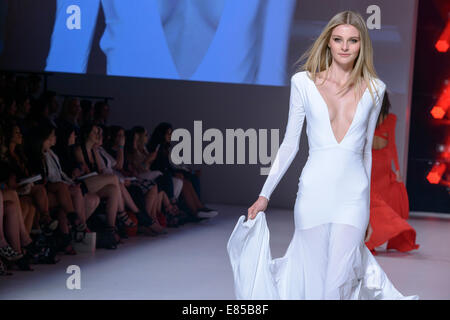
(327, 257)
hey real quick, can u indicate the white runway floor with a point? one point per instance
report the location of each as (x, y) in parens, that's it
(191, 262)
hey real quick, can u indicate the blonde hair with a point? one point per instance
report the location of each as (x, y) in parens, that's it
(319, 55)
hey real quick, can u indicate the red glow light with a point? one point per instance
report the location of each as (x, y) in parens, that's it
(443, 43)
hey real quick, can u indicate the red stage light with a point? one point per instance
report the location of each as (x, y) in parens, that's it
(435, 174)
(443, 103)
(443, 43)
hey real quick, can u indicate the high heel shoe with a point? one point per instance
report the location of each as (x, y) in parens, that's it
(23, 264)
(9, 253)
(32, 251)
(48, 225)
(124, 218)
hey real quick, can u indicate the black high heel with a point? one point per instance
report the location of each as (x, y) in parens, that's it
(124, 218)
(24, 264)
(32, 251)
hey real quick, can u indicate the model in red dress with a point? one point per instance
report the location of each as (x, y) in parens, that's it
(389, 207)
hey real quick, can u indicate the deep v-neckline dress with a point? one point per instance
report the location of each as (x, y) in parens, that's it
(327, 257)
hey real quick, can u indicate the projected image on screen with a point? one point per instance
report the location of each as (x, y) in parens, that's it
(222, 40)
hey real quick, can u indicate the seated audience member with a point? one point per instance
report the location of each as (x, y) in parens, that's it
(104, 185)
(31, 194)
(161, 137)
(113, 159)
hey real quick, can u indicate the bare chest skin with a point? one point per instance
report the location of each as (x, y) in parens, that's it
(341, 108)
(210, 11)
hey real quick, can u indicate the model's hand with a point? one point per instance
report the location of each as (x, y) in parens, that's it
(368, 233)
(259, 205)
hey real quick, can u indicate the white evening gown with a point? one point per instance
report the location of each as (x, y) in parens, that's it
(327, 257)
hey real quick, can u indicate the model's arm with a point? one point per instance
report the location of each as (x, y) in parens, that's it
(275, 41)
(374, 113)
(290, 145)
(69, 48)
(392, 144)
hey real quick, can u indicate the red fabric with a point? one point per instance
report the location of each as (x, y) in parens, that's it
(162, 219)
(132, 232)
(387, 225)
(389, 205)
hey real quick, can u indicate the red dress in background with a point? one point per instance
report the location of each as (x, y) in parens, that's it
(389, 206)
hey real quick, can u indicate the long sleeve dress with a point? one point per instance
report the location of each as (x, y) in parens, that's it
(389, 207)
(327, 257)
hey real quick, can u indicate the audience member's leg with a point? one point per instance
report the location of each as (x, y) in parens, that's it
(151, 199)
(28, 211)
(190, 197)
(78, 203)
(12, 227)
(106, 186)
(15, 230)
(91, 202)
(40, 199)
(111, 193)
(129, 203)
(3, 242)
(62, 195)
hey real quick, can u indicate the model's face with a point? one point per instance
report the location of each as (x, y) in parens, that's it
(344, 44)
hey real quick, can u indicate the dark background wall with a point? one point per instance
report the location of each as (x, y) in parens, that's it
(226, 106)
(431, 69)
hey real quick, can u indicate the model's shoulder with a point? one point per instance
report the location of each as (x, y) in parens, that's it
(379, 84)
(392, 117)
(299, 76)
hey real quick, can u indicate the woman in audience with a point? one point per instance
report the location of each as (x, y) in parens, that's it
(70, 114)
(101, 112)
(104, 185)
(114, 157)
(83, 201)
(49, 102)
(138, 163)
(23, 109)
(63, 196)
(87, 112)
(161, 137)
(30, 193)
(10, 108)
